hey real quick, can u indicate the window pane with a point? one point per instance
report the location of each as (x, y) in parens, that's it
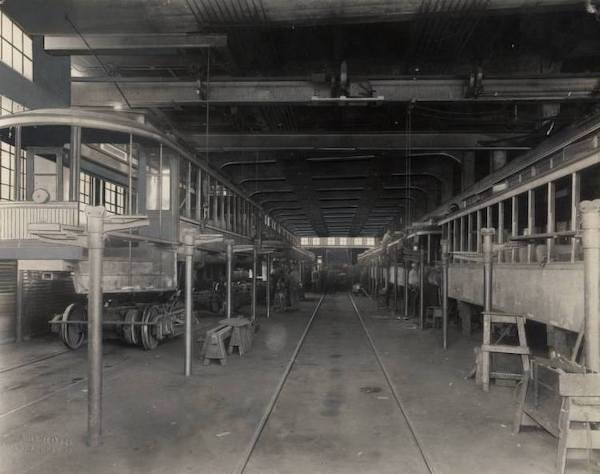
(28, 69)
(17, 61)
(27, 46)
(6, 53)
(6, 28)
(17, 38)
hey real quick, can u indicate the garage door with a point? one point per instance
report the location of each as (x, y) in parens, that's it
(8, 300)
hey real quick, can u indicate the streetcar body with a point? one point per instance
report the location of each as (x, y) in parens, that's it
(532, 205)
(57, 163)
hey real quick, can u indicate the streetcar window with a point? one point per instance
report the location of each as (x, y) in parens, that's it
(522, 200)
(507, 221)
(540, 220)
(184, 177)
(590, 177)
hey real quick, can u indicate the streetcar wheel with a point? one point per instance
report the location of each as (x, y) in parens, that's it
(149, 332)
(130, 330)
(73, 335)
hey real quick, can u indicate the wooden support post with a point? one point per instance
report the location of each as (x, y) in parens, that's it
(551, 224)
(514, 225)
(530, 221)
(500, 237)
(478, 234)
(421, 289)
(461, 244)
(470, 232)
(575, 198)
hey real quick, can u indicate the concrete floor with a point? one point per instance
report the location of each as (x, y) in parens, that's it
(335, 414)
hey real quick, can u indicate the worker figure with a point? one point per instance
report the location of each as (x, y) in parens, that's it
(413, 289)
(280, 295)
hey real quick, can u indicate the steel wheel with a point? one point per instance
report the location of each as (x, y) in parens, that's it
(131, 332)
(73, 335)
(150, 333)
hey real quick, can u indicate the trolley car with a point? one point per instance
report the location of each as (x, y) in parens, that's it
(532, 204)
(57, 162)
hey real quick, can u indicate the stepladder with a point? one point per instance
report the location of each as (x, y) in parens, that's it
(494, 345)
(579, 421)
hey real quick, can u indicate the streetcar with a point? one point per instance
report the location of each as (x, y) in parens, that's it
(55, 164)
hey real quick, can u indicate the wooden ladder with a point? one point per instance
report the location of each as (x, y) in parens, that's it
(579, 416)
(489, 319)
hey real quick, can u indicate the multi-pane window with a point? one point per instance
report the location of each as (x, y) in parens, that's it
(7, 171)
(85, 188)
(9, 106)
(17, 49)
(114, 198)
(7, 156)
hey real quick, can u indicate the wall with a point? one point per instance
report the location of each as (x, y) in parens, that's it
(552, 294)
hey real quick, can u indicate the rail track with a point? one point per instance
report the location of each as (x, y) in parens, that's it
(252, 445)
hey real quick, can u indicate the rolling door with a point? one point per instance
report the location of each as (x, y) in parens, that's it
(44, 294)
(8, 300)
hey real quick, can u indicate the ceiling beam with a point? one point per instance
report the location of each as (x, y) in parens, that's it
(335, 142)
(164, 92)
(122, 43)
(298, 174)
(42, 16)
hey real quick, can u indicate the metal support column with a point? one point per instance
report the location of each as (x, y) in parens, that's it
(590, 213)
(254, 270)
(268, 295)
(488, 261)
(229, 275)
(95, 225)
(444, 245)
(19, 334)
(421, 288)
(388, 280)
(406, 272)
(188, 241)
(396, 275)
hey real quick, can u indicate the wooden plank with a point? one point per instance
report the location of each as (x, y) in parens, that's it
(504, 319)
(505, 349)
(584, 413)
(485, 363)
(583, 439)
(579, 385)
